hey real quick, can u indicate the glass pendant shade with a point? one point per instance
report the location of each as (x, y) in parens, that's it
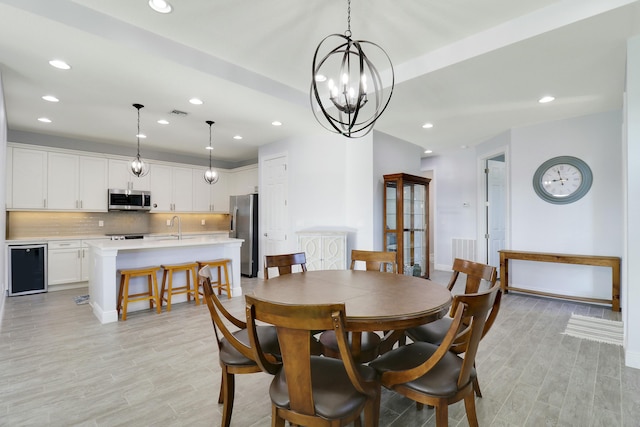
(138, 167)
(348, 93)
(211, 175)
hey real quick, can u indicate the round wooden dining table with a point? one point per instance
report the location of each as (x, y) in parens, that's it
(373, 300)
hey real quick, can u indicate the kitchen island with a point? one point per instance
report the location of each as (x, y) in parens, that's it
(107, 257)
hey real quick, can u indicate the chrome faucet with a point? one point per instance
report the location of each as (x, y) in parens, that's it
(179, 226)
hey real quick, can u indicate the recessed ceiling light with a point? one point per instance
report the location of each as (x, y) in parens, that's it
(464, 147)
(50, 98)
(428, 151)
(141, 136)
(546, 99)
(237, 137)
(276, 123)
(163, 122)
(427, 125)
(195, 101)
(160, 6)
(58, 63)
(44, 120)
(320, 78)
(208, 147)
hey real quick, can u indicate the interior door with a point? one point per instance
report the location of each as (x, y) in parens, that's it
(496, 209)
(274, 205)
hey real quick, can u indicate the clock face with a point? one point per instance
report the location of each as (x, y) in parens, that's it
(562, 180)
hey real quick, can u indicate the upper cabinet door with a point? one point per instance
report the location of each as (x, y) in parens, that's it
(220, 193)
(182, 186)
(93, 186)
(29, 174)
(161, 191)
(121, 178)
(201, 191)
(62, 179)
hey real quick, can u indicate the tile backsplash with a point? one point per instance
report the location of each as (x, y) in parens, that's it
(70, 224)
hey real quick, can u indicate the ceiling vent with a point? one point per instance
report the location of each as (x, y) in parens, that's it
(178, 113)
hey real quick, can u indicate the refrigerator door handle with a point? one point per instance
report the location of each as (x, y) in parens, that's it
(234, 218)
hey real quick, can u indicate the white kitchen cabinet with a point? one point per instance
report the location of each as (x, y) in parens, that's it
(29, 179)
(121, 178)
(76, 182)
(93, 183)
(65, 261)
(324, 250)
(210, 197)
(171, 188)
(244, 180)
(68, 261)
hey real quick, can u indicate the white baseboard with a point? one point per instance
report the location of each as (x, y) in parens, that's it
(632, 359)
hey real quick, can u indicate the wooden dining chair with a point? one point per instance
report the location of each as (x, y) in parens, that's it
(284, 263)
(374, 260)
(306, 389)
(475, 273)
(234, 350)
(431, 374)
(366, 345)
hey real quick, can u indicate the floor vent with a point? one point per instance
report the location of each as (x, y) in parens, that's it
(464, 249)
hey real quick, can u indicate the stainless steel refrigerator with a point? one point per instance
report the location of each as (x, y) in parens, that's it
(244, 225)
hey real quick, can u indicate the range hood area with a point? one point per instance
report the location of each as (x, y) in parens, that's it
(24, 224)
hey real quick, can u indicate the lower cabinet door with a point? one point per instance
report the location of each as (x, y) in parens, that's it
(65, 265)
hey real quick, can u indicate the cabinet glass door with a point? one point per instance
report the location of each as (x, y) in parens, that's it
(405, 222)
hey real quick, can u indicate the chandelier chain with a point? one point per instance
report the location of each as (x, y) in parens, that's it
(348, 32)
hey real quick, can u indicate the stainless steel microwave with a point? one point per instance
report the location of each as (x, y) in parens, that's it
(129, 200)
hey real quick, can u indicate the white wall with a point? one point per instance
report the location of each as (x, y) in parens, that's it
(336, 182)
(453, 186)
(630, 266)
(592, 225)
(390, 155)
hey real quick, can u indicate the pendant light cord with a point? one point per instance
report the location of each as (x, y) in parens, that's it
(348, 32)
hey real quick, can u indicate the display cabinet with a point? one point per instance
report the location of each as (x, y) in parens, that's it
(406, 220)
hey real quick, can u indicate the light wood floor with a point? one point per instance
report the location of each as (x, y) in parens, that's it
(60, 367)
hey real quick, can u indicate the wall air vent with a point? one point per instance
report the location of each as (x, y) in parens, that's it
(178, 113)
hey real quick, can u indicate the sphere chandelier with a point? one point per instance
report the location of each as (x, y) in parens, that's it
(138, 167)
(354, 96)
(211, 175)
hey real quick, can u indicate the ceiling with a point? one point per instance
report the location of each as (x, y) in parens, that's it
(473, 68)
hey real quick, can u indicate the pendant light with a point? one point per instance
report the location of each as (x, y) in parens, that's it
(211, 175)
(138, 166)
(354, 95)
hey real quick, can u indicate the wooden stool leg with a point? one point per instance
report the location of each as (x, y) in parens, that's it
(157, 299)
(162, 289)
(226, 278)
(219, 281)
(194, 279)
(120, 293)
(126, 298)
(169, 288)
(150, 290)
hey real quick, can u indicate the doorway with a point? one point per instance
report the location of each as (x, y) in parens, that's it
(495, 208)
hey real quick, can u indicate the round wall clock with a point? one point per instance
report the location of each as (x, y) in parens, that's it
(562, 180)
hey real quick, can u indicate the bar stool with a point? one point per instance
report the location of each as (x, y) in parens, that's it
(190, 287)
(151, 295)
(219, 264)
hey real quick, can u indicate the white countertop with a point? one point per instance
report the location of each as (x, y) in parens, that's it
(137, 244)
(152, 236)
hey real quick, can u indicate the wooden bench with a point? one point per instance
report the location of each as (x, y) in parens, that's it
(596, 260)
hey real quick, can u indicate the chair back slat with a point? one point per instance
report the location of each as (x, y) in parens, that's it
(475, 272)
(284, 263)
(374, 260)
